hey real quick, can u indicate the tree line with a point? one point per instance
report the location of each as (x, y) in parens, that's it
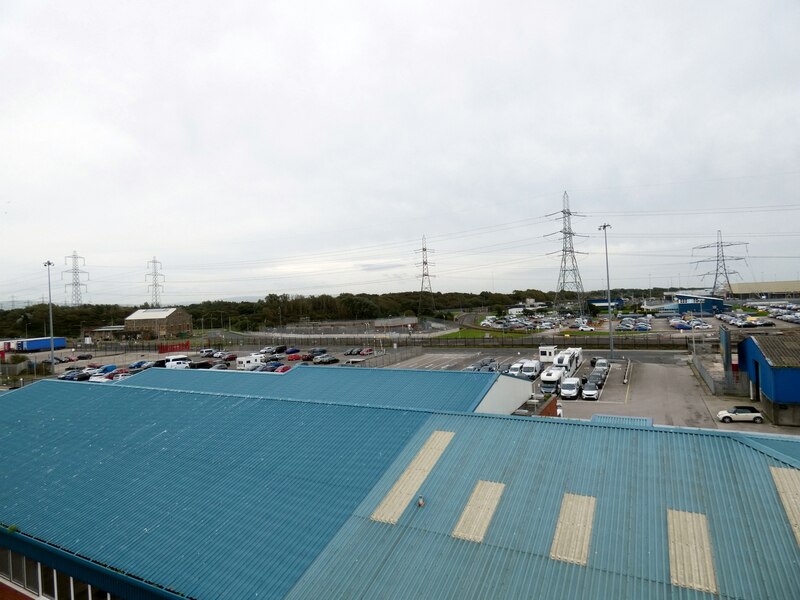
(274, 310)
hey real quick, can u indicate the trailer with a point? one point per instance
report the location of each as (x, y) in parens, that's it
(38, 344)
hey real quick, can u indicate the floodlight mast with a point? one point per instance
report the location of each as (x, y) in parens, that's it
(604, 227)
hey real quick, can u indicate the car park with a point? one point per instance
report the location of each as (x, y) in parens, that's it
(740, 413)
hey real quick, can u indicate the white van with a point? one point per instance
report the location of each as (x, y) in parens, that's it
(515, 369)
(176, 361)
(571, 388)
(531, 369)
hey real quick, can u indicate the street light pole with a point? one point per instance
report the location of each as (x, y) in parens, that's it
(49, 264)
(604, 227)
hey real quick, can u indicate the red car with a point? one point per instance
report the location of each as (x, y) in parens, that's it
(283, 369)
(367, 352)
(294, 357)
(307, 357)
(229, 357)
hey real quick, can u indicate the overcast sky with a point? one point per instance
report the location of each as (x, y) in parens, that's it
(307, 147)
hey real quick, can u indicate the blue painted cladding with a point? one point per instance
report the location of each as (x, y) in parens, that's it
(779, 384)
(636, 475)
(215, 496)
(456, 391)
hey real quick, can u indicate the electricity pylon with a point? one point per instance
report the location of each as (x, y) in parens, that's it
(569, 278)
(722, 282)
(426, 280)
(76, 273)
(156, 286)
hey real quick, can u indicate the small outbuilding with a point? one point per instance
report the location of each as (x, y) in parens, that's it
(773, 365)
(159, 323)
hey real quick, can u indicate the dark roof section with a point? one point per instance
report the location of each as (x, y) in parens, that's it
(781, 351)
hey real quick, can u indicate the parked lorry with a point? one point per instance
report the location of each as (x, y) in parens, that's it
(38, 344)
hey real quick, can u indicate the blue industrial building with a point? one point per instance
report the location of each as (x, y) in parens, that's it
(170, 486)
(772, 363)
(684, 303)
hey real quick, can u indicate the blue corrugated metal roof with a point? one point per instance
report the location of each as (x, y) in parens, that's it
(458, 391)
(635, 474)
(212, 495)
(219, 495)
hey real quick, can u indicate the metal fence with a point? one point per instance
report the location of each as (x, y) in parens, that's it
(733, 384)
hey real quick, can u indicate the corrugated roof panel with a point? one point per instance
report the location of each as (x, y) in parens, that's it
(621, 420)
(635, 475)
(457, 391)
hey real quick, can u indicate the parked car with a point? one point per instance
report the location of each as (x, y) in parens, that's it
(219, 353)
(585, 328)
(291, 350)
(325, 359)
(220, 366)
(283, 369)
(206, 352)
(279, 349)
(86, 356)
(293, 357)
(367, 352)
(307, 357)
(352, 351)
(590, 391)
(318, 351)
(740, 413)
(229, 357)
(137, 365)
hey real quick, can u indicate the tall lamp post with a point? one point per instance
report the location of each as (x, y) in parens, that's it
(49, 264)
(604, 227)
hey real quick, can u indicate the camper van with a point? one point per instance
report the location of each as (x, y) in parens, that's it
(569, 360)
(551, 380)
(245, 363)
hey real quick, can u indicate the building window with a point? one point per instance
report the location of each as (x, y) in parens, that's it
(18, 569)
(63, 586)
(5, 563)
(48, 582)
(32, 575)
(80, 590)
